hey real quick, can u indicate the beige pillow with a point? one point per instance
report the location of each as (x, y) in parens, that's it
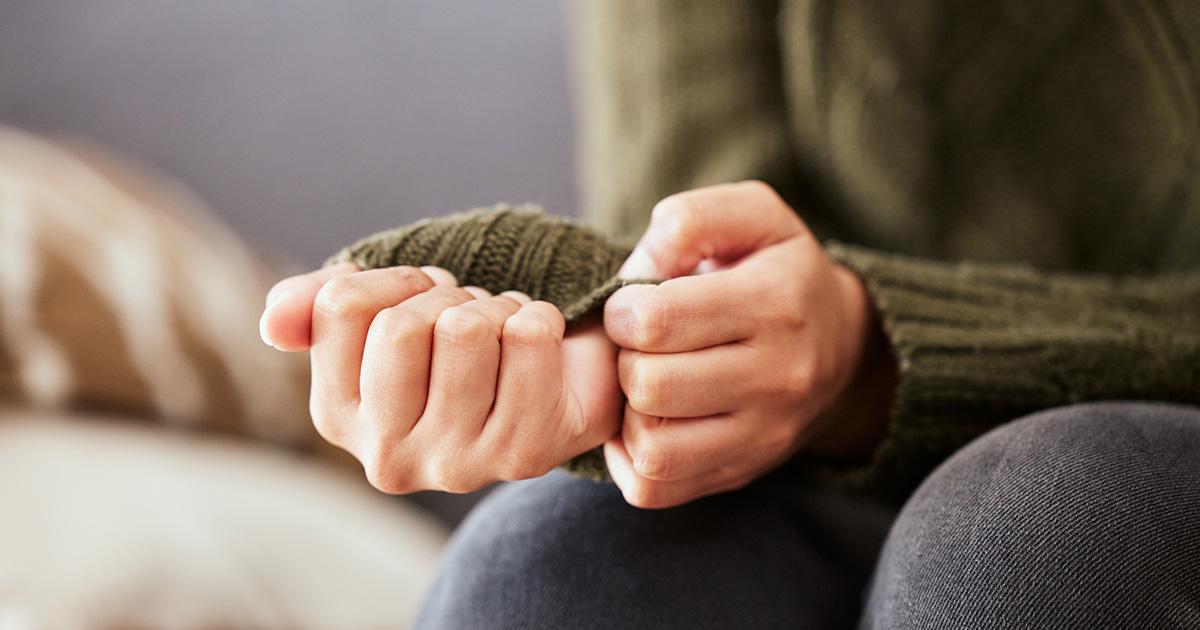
(120, 292)
(116, 525)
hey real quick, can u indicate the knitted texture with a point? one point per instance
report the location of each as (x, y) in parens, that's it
(920, 128)
(979, 345)
(504, 248)
(965, 148)
(976, 345)
(507, 248)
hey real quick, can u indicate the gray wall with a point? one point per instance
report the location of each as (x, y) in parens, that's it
(307, 124)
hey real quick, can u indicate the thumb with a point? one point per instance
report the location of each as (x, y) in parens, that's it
(589, 362)
(720, 224)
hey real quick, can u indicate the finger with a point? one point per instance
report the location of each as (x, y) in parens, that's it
(704, 382)
(590, 375)
(672, 449)
(651, 494)
(769, 288)
(465, 364)
(578, 416)
(394, 381)
(686, 313)
(525, 425)
(720, 223)
(286, 321)
(341, 316)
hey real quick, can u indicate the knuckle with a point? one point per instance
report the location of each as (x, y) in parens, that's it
(676, 208)
(411, 276)
(454, 294)
(342, 297)
(679, 216)
(759, 187)
(789, 301)
(788, 310)
(459, 292)
(803, 379)
(459, 325)
(383, 476)
(798, 381)
(652, 318)
(529, 329)
(645, 387)
(443, 473)
(397, 325)
(386, 482)
(446, 478)
(655, 463)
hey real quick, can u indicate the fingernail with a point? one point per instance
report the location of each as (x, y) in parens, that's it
(519, 297)
(262, 321)
(272, 297)
(440, 277)
(479, 293)
(262, 329)
(273, 300)
(638, 266)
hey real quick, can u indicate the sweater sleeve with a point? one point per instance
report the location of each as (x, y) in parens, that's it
(979, 345)
(680, 94)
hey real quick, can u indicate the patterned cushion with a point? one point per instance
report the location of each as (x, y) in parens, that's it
(119, 291)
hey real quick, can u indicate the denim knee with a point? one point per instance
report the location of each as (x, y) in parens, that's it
(559, 552)
(520, 549)
(1082, 516)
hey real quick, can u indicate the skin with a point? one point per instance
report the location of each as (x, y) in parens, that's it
(695, 386)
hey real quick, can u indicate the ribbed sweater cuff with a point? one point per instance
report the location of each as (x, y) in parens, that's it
(979, 345)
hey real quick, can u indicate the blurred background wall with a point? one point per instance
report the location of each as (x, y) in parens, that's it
(307, 123)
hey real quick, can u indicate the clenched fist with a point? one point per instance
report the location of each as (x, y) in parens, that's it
(432, 386)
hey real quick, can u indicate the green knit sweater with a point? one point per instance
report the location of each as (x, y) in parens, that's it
(1021, 181)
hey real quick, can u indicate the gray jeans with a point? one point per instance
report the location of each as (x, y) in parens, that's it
(1079, 517)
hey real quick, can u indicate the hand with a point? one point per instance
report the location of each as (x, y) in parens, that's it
(435, 387)
(731, 372)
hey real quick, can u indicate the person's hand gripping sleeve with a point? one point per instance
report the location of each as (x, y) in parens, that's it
(756, 347)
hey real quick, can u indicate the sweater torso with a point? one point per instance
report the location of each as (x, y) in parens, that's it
(1063, 134)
